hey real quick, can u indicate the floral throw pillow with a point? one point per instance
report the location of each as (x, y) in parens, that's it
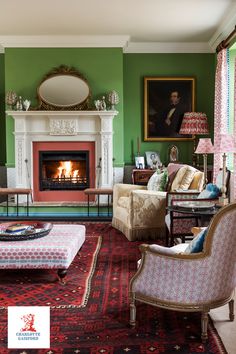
(158, 181)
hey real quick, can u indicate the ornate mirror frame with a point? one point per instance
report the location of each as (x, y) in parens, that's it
(70, 74)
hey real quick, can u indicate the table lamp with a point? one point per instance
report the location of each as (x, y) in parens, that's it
(205, 147)
(194, 123)
(224, 144)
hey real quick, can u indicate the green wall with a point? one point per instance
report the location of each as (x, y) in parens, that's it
(2, 112)
(136, 67)
(102, 67)
(107, 69)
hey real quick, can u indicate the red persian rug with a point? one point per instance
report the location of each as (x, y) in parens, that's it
(41, 287)
(101, 326)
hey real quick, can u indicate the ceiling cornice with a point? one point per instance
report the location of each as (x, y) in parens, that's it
(120, 41)
(62, 41)
(223, 30)
(174, 47)
(101, 42)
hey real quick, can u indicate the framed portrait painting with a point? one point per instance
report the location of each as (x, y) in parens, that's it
(166, 99)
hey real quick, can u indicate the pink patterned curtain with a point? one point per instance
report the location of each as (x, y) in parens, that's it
(234, 180)
(221, 110)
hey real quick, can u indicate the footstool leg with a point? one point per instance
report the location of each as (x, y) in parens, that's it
(61, 275)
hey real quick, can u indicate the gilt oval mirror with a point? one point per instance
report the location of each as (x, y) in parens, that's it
(63, 88)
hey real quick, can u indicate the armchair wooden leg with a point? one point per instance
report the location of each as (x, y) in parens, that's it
(132, 320)
(204, 323)
(231, 310)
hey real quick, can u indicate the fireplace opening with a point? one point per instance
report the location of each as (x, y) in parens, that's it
(63, 170)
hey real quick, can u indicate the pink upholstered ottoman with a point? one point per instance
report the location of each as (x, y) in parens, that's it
(56, 250)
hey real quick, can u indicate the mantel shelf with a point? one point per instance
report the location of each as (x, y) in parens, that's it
(62, 113)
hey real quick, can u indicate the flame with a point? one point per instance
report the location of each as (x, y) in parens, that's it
(65, 170)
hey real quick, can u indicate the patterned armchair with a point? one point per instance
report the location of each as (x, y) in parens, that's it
(190, 282)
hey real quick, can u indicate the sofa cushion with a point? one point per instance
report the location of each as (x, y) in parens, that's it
(210, 192)
(198, 181)
(183, 178)
(158, 181)
(172, 169)
(180, 248)
(196, 245)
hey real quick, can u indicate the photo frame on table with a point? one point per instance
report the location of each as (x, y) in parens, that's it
(153, 159)
(166, 99)
(139, 162)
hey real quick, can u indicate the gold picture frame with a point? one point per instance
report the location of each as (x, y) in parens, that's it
(166, 99)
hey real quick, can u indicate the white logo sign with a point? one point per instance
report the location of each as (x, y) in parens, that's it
(29, 327)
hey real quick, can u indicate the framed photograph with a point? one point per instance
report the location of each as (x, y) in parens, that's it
(139, 162)
(153, 159)
(166, 99)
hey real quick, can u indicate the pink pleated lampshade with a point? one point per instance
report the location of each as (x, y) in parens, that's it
(194, 123)
(225, 144)
(204, 146)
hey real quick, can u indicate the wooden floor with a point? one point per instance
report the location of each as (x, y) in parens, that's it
(225, 328)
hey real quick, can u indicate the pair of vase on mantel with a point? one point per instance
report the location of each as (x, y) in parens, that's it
(113, 99)
(22, 105)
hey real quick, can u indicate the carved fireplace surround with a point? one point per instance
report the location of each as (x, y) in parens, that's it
(58, 126)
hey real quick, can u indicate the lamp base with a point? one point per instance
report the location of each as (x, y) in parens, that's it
(223, 201)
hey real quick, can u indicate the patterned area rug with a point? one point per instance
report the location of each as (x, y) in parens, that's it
(102, 326)
(41, 287)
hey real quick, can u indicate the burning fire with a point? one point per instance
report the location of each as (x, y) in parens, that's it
(65, 170)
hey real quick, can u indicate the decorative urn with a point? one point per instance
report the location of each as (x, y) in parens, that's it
(113, 99)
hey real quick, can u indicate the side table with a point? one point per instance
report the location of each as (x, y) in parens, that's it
(200, 215)
(141, 177)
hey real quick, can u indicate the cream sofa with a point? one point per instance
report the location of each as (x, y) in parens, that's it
(140, 213)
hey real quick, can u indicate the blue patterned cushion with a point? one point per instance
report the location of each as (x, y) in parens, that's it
(196, 245)
(210, 192)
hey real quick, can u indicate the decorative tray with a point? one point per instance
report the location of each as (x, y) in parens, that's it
(25, 230)
(195, 205)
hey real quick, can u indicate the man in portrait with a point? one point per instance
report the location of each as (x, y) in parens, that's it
(165, 102)
(169, 120)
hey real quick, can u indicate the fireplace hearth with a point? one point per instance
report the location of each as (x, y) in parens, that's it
(63, 170)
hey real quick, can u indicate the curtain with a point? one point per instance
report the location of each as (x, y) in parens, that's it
(221, 108)
(234, 172)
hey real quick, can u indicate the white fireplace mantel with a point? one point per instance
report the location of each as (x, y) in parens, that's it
(32, 126)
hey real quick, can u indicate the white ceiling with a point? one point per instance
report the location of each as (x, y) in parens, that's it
(134, 21)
